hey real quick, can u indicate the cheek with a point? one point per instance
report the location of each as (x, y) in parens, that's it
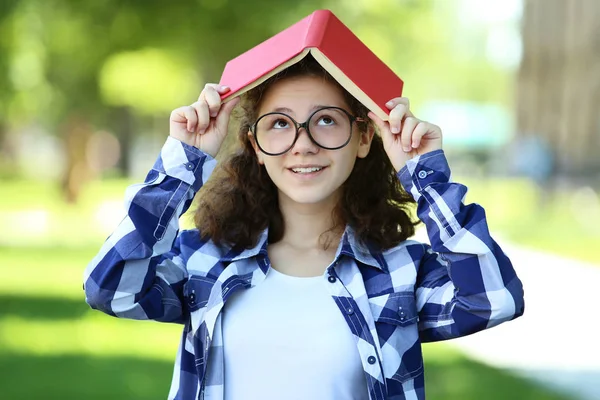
(259, 154)
(351, 153)
(348, 167)
(271, 166)
(345, 164)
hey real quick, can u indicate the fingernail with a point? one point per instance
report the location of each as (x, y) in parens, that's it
(395, 129)
(407, 149)
(223, 87)
(389, 103)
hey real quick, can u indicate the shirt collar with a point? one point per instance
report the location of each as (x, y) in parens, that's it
(350, 246)
(364, 253)
(260, 249)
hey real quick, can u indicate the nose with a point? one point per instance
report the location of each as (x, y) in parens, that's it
(304, 145)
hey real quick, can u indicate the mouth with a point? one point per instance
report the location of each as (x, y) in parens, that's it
(307, 171)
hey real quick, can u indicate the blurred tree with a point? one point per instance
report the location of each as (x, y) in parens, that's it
(559, 82)
(7, 155)
(59, 51)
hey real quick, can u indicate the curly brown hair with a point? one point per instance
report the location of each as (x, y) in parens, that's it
(240, 200)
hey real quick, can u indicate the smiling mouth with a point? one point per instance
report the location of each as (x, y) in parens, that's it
(306, 170)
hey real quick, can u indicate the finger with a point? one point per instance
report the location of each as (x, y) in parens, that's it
(178, 116)
(213, 99)
(186, 115)
(225, 113)
(381, 124)
(398, 100)
(202, 111)
(408, 127)
(396, 116)
(383, 127)
(422, 130)
(221, 89)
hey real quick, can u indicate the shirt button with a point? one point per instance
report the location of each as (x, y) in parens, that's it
(192, 296)
(371, 360)
(350, 310)
(422, 174)
(331, 278)
(189, 166)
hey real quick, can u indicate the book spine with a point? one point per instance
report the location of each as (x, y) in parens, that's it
(316, 28)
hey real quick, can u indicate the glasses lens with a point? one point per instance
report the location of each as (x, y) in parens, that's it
(330, 127)
(275, 133)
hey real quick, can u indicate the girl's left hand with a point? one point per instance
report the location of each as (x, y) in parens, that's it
(405, 136)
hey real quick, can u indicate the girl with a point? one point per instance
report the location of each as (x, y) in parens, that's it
(300, 281)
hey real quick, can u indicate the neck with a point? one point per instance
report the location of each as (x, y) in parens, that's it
(308, 226)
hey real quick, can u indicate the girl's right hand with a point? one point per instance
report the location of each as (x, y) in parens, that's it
(204, 123)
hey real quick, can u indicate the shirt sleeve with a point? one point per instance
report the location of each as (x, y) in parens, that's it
(139, 272)
(465, 282)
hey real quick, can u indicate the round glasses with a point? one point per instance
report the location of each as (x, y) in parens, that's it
(329, 128)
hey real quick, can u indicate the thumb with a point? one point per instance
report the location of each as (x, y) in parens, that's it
(382, 126)
(225, 113)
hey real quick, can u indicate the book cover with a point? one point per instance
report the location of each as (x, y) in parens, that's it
(333, 45)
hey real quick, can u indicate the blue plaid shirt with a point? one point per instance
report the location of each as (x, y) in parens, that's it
(392, 300)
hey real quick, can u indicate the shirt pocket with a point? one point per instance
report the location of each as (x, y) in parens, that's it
(196, 292)
(396, 318)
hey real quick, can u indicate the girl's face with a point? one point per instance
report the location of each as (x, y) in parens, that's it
(307, 173)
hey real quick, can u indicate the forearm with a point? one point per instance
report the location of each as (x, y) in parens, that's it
(137, 273)
(484, 287)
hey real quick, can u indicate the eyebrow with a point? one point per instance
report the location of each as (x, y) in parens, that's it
(313, 108)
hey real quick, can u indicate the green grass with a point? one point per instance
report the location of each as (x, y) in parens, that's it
(450, 375)
(28, 376)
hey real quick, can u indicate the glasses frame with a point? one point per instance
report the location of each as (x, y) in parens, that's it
(351, 118)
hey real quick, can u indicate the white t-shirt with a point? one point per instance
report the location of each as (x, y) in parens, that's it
(287, 339)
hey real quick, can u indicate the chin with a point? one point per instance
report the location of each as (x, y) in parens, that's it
(307, 196)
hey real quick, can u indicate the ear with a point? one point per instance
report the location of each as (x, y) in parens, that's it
(259, 154)
(364, 145)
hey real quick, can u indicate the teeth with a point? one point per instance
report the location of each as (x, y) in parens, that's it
(306, 170)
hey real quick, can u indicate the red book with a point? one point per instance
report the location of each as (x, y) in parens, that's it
(335, 48)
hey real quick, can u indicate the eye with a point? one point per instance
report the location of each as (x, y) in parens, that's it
(281, 124)
(326, 120)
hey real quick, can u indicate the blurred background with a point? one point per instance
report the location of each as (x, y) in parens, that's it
(86, 89)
